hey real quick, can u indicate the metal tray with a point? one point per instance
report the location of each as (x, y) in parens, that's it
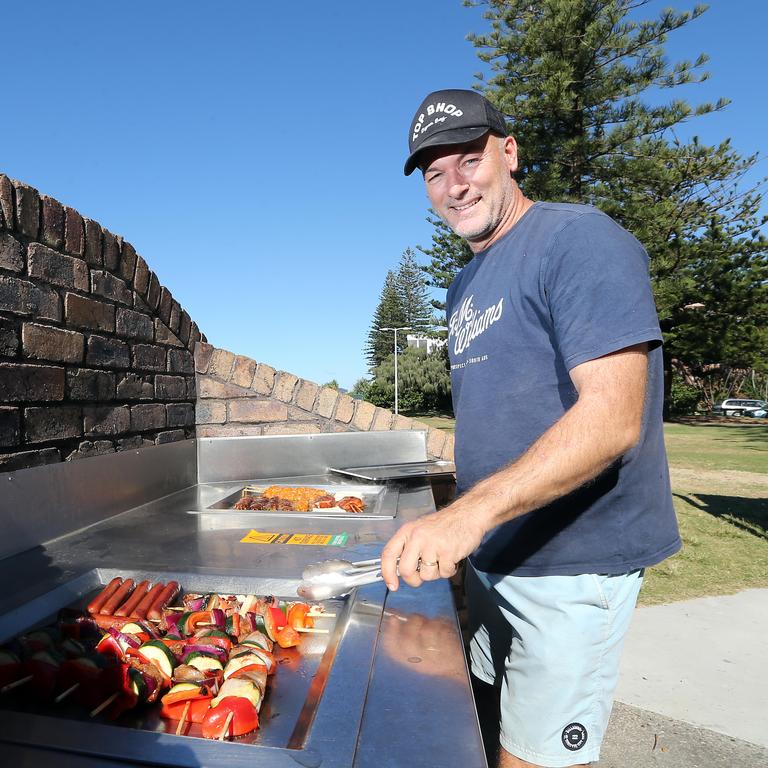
(406, 471)
(294, 692)
(380, 502)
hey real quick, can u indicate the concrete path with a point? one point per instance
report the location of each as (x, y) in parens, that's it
(703, 662)
(641, 739)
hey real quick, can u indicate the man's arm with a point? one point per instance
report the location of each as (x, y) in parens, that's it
(602, 425)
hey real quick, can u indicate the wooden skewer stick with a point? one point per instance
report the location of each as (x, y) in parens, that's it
(313, 630)
(105, 704)
(230, 717)
(66, 693)
(16, 684)
(183, 717)
(321, 615)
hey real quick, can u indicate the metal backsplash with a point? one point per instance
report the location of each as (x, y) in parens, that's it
(221, 459)
(42, 503)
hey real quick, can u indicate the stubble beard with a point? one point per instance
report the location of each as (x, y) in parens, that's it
(480, 230)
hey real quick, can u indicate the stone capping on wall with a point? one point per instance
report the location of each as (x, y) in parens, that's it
(238, 396)
(95, 354)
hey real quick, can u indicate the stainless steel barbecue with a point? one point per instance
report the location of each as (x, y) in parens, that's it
(343, 699)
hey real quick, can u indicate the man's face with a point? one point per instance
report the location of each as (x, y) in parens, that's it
(471, 188)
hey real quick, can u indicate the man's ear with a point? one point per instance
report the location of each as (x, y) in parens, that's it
(509, 150)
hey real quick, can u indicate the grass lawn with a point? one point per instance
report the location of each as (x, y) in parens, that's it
(437, 421)
(739, 446)
(720, 490)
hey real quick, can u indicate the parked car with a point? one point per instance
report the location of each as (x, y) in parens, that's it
(760, 413)
(734, 406)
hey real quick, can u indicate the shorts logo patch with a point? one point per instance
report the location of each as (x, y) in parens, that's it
(574, 736)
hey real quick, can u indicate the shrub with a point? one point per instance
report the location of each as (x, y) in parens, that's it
(683, 399)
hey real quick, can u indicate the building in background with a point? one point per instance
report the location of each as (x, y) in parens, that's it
(425, 342)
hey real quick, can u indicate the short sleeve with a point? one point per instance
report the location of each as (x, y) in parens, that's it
(596, 285)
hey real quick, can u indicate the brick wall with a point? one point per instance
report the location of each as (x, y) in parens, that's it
(95, 355)
(238, 396)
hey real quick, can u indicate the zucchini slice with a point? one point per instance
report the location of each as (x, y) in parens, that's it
(203, 662)
(160, 655)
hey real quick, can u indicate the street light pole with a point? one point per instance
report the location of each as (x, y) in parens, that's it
(402, 328)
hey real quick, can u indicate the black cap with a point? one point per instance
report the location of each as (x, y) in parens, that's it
(453, 116)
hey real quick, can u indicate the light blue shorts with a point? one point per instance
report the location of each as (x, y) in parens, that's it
(552, 644)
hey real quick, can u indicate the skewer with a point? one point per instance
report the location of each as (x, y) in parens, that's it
(230, 718)
(105, 704)
(183, 717)
(16, 684)
(321, 615)
(66, 693)
(313, 631)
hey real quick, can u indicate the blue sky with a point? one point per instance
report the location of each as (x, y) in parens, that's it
(252, 152)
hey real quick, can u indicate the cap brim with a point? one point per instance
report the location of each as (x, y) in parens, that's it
(441, 139)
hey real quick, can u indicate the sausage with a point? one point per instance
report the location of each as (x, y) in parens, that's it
(117, 598)
(118, 622)
(95, 605)
(155, 613)
(148, 599)
(127, 608)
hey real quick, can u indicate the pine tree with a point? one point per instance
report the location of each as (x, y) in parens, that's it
(448, 254)
(404, 303)
(708, 255)
(571, 76)
(414, 297)
(389, 314)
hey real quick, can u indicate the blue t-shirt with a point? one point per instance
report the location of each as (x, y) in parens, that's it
(565, 285)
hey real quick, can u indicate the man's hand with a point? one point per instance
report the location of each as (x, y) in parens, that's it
(431, 547)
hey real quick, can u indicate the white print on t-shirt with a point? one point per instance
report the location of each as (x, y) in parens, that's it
(469, 361)
(467, 323)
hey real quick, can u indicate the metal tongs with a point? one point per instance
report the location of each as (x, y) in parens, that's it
(336, 578)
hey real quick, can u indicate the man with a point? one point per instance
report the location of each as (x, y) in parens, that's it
(557, 382)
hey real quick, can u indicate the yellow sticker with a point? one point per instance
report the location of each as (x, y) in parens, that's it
(259, 537)
(310, 539)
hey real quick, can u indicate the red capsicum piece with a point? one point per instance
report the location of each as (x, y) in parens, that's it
(118, 680)
(198, 708)
(10, 668)
(108, 646)
(172, 697)
(278, 616)
(193, 620)
(245, 718)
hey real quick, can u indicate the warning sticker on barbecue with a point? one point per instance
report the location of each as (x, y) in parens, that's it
(313, 539)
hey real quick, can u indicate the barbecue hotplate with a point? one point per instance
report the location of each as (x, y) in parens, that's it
(292, 701)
